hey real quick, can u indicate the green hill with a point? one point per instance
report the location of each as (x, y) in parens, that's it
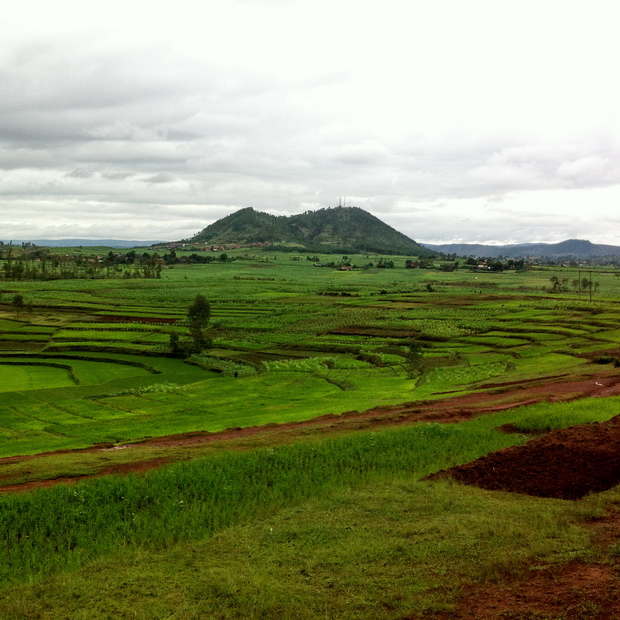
(341, 229)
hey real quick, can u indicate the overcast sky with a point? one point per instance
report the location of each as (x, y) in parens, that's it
(451, 120)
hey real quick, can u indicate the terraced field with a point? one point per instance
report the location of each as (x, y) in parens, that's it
(89, 386)
(341, 337)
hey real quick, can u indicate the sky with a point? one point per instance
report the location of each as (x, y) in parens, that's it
(452, 121)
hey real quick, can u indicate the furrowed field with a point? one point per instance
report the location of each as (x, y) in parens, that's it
(362, 382)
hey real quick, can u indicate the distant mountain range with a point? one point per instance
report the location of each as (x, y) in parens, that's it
(72, 243)
(573, 248)
(341, 229)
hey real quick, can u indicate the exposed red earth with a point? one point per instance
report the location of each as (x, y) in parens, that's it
(564, 464)
(573, 591)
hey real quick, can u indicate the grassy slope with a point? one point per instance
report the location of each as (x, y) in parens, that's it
(379, 545)
(383, 551)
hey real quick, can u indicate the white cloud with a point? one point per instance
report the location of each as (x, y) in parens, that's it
(446, 119)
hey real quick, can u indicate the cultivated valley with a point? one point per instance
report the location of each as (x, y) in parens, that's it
(280, 468)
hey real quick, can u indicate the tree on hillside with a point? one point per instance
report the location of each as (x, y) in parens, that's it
(198, 315)
(18, 303)
(559, 286)
(176, 348)
(415, 358)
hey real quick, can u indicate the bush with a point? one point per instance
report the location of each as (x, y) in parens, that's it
(228, 368)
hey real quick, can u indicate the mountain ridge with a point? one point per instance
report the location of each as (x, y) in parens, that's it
(338, 229)
(69, 243)
(571, 248)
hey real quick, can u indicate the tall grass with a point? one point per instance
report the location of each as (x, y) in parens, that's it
(63, 527)
(551, 416)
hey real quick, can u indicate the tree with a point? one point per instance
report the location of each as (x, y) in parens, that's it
(18, 303)
(559, 286)
(198, 315)
(175, 345)
(415, 358)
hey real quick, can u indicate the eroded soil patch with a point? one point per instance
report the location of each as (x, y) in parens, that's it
(114, 469)
(563, 464)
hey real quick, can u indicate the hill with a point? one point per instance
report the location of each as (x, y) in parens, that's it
(572, 248)
(341, 229)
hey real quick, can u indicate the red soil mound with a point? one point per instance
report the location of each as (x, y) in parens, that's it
(564, 464)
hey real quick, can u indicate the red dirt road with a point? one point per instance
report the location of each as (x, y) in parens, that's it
(497, 397)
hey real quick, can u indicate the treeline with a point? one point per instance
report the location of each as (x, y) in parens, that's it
(579, 286)
(44, 265)
(171, 258)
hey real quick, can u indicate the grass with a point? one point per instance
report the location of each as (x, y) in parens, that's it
(335, 528)
(255, 322)
(17, 378)
(551, 416)
(398, 550)
(63, 527)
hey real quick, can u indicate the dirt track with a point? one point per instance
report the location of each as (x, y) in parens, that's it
(495, 397)
(571, 591)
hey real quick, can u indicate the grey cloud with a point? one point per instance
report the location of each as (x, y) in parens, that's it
(117, 176)
(363, 153)
(191, 134)
(590, 170)
(69, 76)
(497, 229)
(160, 177)
(14, 158)
(182, 135)
(80, 173)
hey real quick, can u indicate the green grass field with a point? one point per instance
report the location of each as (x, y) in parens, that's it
(324, 526)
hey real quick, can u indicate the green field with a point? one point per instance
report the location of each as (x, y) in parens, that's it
(90, 363)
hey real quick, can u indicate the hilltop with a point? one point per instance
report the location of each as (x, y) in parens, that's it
(341, 229)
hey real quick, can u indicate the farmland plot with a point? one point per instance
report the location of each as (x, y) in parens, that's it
(299, 354)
